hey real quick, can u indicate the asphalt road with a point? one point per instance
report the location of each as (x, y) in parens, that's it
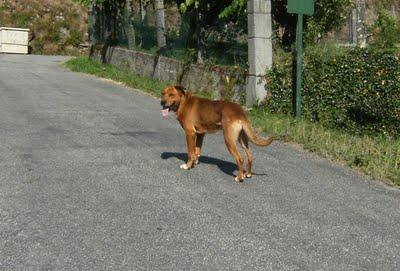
(90, 180)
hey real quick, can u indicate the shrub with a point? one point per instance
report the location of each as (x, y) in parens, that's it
(75, 38)
(385, 31)
(21, 19)
(358, 91)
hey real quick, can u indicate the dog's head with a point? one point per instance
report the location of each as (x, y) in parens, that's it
(171, 97)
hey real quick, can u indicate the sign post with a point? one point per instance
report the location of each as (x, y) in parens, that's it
(300, 7)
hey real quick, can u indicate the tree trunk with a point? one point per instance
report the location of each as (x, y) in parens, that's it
(92, 17)
(160, 23)
(94, 27)
(142, 10)
(129, 30)
(200, 38)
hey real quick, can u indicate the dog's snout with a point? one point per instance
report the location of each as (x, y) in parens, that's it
(162, 102)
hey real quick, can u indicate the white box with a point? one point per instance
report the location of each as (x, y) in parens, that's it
(14, 40)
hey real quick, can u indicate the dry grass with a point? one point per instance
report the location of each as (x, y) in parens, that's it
(58, 26)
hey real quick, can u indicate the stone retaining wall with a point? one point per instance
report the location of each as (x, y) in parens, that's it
(220, 81)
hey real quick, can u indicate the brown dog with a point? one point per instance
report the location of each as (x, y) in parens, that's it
(199, 116)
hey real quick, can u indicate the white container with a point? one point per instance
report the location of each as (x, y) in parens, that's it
(14, 40)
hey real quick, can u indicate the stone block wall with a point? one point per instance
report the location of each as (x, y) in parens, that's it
(220, 82)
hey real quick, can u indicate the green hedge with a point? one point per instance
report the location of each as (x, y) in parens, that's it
(358, 90)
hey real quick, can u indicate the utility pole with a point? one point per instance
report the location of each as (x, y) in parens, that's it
(353, 26)
(259, 49)
(360, 24)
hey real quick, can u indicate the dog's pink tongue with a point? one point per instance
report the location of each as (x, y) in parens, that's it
(165, 112)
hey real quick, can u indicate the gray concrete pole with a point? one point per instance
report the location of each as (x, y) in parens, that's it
(361, 27)
(259, 49)
(353, 26)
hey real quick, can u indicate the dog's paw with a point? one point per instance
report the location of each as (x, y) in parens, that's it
(196, 162)
(184, 166)
(238, 179)
(248, 175)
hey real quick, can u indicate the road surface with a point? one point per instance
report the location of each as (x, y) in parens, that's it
(90, 180)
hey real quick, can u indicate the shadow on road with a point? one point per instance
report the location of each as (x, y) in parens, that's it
(227, 167)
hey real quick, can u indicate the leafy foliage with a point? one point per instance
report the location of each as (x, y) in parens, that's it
(213, 35)
(89, 2)
(329, 14)
(236, 6)
(75, 38)
(385, 31)
(358, 91)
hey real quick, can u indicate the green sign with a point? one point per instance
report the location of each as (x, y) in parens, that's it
(300, 7)
(305, 7)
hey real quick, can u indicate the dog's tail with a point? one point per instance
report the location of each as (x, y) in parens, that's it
(263, 142)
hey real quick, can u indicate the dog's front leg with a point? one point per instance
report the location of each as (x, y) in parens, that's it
(199, 143)
(191, 145)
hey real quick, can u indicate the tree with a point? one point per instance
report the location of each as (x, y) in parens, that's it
(129, 29)
(385, 30)
(235, 7)
(110, 17)
(329, 14)
(199, 16)
(160, 23)
(142, 5)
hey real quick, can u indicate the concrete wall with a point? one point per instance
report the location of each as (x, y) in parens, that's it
(220, 81)
(14, 40)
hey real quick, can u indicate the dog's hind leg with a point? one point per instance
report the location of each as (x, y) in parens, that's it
(199, 144)
(231, 134)
(244, 142)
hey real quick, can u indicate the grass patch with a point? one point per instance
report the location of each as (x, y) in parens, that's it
(86, 65)
(148, 84)
(377, 157)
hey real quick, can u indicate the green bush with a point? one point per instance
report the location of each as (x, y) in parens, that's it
(385, 31)
(75, 38)
(358, 91)
(21, 19)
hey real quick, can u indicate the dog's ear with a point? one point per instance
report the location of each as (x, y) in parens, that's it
(180, 89)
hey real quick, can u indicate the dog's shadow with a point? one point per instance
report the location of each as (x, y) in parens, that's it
(225, 166)
(228, 168)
